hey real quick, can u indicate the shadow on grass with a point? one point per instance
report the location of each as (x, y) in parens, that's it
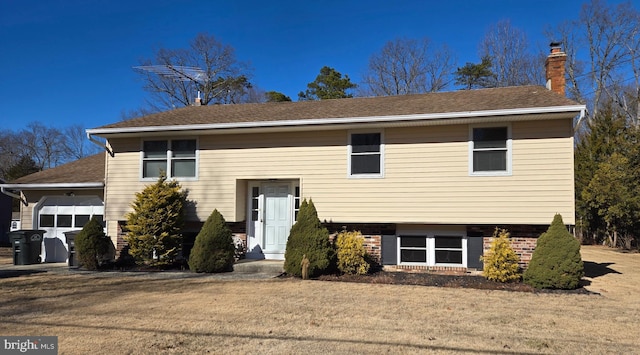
(271, 336)
(5, 274)
(594, 270)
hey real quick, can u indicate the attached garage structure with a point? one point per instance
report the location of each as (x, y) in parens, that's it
(60, 200)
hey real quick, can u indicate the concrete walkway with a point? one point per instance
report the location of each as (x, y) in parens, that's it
(243, 270)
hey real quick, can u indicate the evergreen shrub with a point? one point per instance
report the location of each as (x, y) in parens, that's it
(213, 249)
(556, 262)
(154, 227)
(351, 254)
(308, 237)
(91, 245)
(501, 261)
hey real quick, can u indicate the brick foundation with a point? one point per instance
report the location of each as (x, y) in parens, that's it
(523, 239)
(522, 246)
(423, 268)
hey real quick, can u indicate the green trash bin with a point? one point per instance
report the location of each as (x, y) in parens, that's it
(27, 246)
(20, 248)
(72, 260)
(35, 245)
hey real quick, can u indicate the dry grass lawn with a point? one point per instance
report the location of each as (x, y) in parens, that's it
(92, 313)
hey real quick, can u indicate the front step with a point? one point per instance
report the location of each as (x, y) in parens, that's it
(254, 266)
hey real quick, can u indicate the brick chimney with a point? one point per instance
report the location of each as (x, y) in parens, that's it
(554, 68)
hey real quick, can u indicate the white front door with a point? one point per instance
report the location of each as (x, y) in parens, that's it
(277, 218)
(270, 213)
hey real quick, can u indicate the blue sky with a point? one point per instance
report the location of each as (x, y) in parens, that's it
(70, 62)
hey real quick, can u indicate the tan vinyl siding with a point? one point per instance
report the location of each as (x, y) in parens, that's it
(426, 175)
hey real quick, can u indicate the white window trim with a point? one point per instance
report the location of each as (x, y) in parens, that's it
(349, 153)
(507, 172)
(431, 250)
(168, 160)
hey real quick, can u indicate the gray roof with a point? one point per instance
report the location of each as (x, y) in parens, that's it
(517, 97)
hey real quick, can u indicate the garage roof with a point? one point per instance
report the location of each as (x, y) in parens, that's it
(86, 172)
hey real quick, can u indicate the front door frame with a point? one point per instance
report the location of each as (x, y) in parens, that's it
(256, 216)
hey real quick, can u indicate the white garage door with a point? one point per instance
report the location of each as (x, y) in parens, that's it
(59, 214)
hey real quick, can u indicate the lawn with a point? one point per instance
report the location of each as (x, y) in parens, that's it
(93, 313)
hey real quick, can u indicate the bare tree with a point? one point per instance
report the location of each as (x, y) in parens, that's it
(408, 66)
(611, 71)
(77, 144)
(513, 61)
(207, 68)
(45, 145)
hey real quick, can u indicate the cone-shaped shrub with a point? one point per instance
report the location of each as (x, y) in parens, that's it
(501, 261)
(91, 244)
(351, 254)
(213, 249)
(156, 221)
(556, 262)
(308, 237)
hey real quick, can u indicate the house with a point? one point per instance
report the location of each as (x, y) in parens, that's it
(426, 178)
(60, 200)
(5, 217)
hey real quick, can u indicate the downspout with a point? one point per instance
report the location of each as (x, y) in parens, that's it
(100, 144)
(11, 194)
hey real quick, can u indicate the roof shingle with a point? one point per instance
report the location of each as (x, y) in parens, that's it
(89, 169)
(442, 102)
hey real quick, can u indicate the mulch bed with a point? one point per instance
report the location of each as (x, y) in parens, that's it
(443, 280)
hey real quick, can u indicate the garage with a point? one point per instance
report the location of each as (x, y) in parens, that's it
(59, 200)
(59, 214)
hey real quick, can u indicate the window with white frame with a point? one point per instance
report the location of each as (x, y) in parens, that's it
(490, 150)
(432, 250)
(413, 249)
(365, 154)
(176, 158)
(448, 250)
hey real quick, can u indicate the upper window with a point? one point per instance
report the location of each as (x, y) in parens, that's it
(490, 151)
(176, 158)
(365, 154)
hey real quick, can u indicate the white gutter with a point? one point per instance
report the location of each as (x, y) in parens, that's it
(100, 144)
(11, 194)
(53, 186)
(329, 121)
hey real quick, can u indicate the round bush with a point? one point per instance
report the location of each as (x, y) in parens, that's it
(91, 245)
(213, 249)
(352, 256)
(556, 262)
(501, 261)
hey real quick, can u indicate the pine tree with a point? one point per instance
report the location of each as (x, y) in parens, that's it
(329, 84)
(501, 261)
(91, 245)
(213, 250)
(308, 237)
(556, 262)
(607, 180)
(155, 224)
